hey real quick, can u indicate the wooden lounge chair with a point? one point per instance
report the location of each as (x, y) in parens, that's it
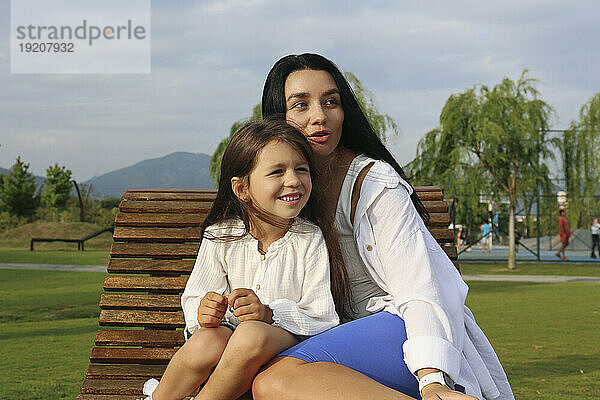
(156, 240)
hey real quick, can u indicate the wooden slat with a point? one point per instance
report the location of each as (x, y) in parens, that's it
(155, 250)
(102, 371)
(114, 387)
(145, 283)
(430, 196)
(439, 219)
(156, 319)
(148, 234)
(108, 397)
(170, 196)
(159, 220)
(138, 266)
(434, 188)
(438, 206)
(151, 302)
(141, 337)
(451, 252)
(164, 206)
(443, 235)
(118, 355)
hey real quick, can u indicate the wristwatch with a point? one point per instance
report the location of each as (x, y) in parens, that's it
(436, 377)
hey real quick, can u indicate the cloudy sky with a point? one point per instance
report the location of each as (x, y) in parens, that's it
(210, 59)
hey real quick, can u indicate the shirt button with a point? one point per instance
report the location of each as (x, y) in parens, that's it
(369, 248)
(258, 287)
(262, 256)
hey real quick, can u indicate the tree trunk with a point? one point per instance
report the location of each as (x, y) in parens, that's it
(511, 234)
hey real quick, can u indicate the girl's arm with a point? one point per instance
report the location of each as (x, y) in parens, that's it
(315, 311)
(208, 275)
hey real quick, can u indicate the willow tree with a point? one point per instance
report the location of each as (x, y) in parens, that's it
(498, 136)
(383, 124)
(580, 149)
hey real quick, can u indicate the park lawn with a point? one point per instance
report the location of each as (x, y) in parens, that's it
(45, 256)
(48, 320)
(545, 334)
(530, 268)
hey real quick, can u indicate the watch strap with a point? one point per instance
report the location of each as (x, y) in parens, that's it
(436, 377)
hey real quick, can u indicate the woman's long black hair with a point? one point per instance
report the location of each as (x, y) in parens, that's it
(357, 133)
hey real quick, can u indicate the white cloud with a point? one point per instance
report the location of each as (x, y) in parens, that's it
(210, 59)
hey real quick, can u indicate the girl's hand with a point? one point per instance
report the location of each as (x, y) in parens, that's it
(436, 391)
(212, 310)
(247, 307)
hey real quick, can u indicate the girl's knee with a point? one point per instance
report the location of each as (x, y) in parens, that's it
(205, 347)
(250, 337)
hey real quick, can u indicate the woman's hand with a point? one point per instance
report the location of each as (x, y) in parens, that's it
(247, 307)
(435, 391)
(212, 309)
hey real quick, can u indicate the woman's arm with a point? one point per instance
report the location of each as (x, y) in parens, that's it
(428, 292)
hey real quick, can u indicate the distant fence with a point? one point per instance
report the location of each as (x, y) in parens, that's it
(80, 242)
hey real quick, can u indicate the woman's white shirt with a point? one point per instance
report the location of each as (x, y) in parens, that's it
(292, 278)
(424, 288)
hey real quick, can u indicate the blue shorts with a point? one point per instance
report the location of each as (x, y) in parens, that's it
(371, 345)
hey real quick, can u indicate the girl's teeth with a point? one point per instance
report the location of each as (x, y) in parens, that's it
(290, 198)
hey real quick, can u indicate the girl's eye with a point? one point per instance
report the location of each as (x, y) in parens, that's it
(302, 169)
(277, 171)
(330, 102)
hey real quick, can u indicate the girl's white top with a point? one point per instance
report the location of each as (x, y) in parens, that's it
(292, 278)
(417, 282)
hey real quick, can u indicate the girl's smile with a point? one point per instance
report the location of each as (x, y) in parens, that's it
(280, 182)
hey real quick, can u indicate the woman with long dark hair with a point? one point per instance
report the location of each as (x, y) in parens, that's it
(407, 333)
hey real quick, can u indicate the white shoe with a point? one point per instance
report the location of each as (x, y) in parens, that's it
(149, 387)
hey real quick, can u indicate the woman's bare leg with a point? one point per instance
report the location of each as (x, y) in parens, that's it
(250, 347)
(192, 363)
(289, 378)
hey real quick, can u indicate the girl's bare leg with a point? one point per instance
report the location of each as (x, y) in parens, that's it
(192, 363)
(289, 378)
(250, 347)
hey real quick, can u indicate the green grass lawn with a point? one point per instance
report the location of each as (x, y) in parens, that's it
(469, 268)
(44, 256)
(48, 321)
(546, 335)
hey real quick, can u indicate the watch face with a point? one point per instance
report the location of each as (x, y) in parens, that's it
(448, 380)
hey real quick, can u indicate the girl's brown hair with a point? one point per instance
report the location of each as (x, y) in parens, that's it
(239, 160)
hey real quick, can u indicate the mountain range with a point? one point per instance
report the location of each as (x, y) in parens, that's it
(181, 170)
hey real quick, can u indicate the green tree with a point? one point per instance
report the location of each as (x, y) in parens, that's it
(496, 137)
(19, 193)
(580, 148)
(215, 160)
(381, 123)
(57, 188)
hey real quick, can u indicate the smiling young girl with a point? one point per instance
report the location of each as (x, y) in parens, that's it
(261, 282)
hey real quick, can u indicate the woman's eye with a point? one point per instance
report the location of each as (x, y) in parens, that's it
(299, 104)
(302, 169)
(332, 102)
(277, 171)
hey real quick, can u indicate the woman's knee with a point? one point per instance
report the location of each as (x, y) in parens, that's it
(271, 382)
(205, 347)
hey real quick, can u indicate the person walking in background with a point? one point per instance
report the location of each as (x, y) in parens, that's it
(595, 237)
(486, 237)
(461, 238)
(564, 233)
